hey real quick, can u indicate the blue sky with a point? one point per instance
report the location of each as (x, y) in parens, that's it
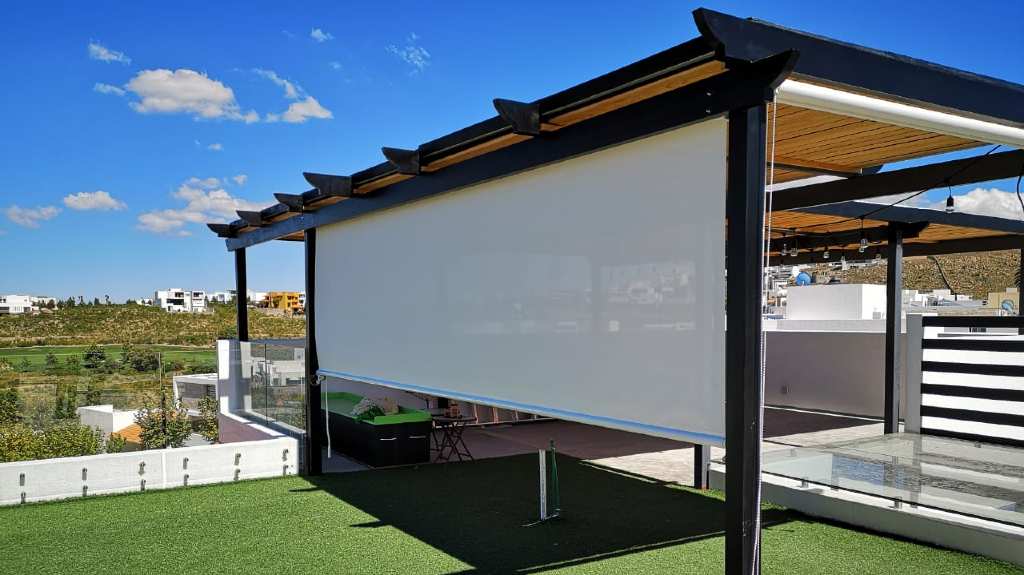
(180, 111)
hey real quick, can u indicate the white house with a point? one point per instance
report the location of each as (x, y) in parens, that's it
(16, 304)
(179, 300)
(228, 296)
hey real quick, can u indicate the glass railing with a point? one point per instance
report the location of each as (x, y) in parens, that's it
(277, 383)
(975, 479)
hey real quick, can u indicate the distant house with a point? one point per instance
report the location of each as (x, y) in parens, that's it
(17, 304)
(179, 300)
(289, 301)
(253, 297)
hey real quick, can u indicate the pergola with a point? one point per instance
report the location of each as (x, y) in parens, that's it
(832, 108)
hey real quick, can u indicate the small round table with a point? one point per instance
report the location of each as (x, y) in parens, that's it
(451, 443)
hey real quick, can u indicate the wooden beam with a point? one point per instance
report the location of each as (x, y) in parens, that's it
(329, 185)
(821, 168)
(293, 201)
(251, 218)
(407, 162)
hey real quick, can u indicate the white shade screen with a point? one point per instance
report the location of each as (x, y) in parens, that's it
(589, 290)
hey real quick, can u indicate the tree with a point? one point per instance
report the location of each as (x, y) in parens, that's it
(10, 406)
(25, 364)
(70, 302)
(95, 301)
(94, 357)
(115, 443)
(73, 364)
(51, 361)
(71, 439)
(93, 395)
(66, 403)
(163, 424)
(208, 426)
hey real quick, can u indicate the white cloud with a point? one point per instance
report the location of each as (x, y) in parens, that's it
(981, 201)
(240, 179)
(205, 201)
(334, 64)
(299, 112)
(30, 217)
(185, 91)
(216, 147)
(107, 89)
(100, 52)
(988, 202)
(320, 36)
(291, 91)
(98, 200)
(412, 54)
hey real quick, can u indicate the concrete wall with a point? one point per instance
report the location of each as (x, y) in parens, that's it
(830, 371)
(105, 418)
(49, 479)
(835, 301)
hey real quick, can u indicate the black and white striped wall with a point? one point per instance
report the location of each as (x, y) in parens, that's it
(965, 377)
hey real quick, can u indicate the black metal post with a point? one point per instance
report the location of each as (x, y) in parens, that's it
(893, 326)
(745, 214)
(314, 414)
(1020, 296)
(241, 299)
(701, 464)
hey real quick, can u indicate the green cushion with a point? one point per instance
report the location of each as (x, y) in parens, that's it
(341, 403)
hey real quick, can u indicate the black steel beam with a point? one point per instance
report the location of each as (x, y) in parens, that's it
(1020, 284)
(715, 96)
(241, 298)
(329, 185)
(405, 161)
(893, 326)
(314, 413)
(743, 400)
(906, 214)
(887, 73)
(524, 118)
(953, 173)
(701, 466)
(987, 244)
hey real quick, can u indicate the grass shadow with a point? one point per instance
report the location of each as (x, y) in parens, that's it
(476, 511)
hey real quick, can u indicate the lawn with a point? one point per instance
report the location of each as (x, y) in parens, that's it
(455, 518)
(36, 356)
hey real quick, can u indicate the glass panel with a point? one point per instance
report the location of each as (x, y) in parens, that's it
(981, 480)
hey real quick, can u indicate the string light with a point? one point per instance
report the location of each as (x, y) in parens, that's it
(863, 240)
(950, 202)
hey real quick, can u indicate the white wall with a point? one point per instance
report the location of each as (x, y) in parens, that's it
(835, 301)
(842, 372)
(105, 418)
(48, 479)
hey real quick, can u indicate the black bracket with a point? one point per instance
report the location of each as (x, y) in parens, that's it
(293, 201)
(251, 218)
(329, 185)
(405, 161)
(222, 230)
(524, 118)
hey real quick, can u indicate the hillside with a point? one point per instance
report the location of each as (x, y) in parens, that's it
(976, 274)
(114, 324)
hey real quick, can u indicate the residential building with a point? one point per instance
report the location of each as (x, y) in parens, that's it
(254, 297)
(14, 304)
(179, 300)
(289, 301)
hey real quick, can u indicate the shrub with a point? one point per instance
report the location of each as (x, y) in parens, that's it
(19, 443)
(208, 426)
(10, 406)
(94, 357)
(115, 443)
(71, 439)
(164, 424)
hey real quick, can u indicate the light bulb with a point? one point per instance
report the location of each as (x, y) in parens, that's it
(950, 204)
(878, 255)
(826, 254)
(863, 244)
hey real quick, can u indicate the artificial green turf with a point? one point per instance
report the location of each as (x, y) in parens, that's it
(453, 518)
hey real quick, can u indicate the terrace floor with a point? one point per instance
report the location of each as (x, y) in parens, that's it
(448, 518)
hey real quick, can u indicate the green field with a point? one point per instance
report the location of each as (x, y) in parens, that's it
(452, 518)
(37, 355)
